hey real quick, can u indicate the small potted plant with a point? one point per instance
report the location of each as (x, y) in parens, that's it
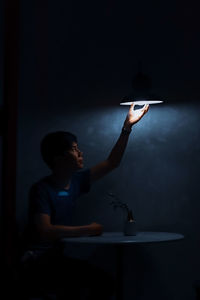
(129, 224)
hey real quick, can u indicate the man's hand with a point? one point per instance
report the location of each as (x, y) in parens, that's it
(134, 116)
(95, 229)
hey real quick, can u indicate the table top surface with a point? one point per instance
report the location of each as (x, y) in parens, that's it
(120, 238)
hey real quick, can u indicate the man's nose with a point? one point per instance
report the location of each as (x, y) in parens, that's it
(80, 153)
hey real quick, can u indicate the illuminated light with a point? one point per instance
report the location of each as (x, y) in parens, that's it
(142, 102)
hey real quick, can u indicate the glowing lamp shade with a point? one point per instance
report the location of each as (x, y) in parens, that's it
(142, 102)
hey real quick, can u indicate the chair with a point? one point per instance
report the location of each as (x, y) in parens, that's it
(21, 284)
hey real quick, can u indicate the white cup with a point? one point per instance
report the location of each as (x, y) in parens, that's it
(130, 228)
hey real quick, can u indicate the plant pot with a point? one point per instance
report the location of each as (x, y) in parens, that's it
(130, 228)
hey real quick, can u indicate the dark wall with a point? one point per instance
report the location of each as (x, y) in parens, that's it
(1, 96)
(77, 62)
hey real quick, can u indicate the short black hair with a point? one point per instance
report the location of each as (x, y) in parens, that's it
(55, 144)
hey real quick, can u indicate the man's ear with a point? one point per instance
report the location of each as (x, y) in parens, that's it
(56, 159)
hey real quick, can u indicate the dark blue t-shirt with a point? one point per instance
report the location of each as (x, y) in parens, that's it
(59, 204)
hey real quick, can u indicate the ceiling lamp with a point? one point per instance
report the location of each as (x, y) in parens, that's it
(142, 91)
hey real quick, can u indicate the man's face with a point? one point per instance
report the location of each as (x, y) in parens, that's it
(72, 159)
(75, 156)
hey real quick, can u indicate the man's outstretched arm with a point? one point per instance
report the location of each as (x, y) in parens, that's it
(117, 152)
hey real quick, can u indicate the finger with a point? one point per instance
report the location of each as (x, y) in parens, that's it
(145, 108)
(132, 107)
(134, 104)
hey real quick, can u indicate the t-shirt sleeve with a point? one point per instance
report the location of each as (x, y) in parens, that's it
(84, 181)
(39, 200)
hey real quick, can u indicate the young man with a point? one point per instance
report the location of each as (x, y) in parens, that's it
(52, 204)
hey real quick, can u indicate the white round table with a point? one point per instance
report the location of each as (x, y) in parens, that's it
(120, 240)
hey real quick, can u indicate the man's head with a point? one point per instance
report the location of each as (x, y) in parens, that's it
(60, 150)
